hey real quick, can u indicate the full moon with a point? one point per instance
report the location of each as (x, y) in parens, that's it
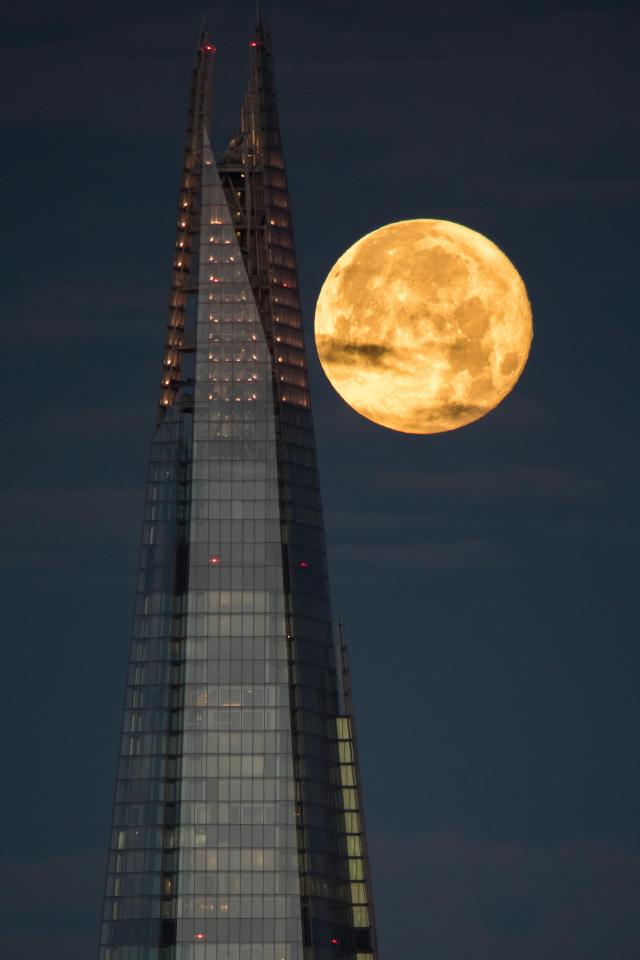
(423, 326)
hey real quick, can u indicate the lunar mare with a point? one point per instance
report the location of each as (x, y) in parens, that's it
(423, 326)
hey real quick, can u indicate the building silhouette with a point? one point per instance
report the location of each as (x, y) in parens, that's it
(237, 827)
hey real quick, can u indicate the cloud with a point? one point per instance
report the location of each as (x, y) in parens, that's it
(334, 350)
(25, 944)
(447, 413)
(428, 554)
(98, 421)
(553, 483)
(522, 107)
(60, 882)
(51, 907)
(580, 530)
(538, 189)
(62, 310)
(44, 529)
(422, 520)
(465, 899)
(65, 84)
(545, 485)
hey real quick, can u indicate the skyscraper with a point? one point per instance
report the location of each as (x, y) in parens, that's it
(237, 827)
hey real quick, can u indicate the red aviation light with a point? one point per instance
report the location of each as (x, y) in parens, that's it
(303, 565)
(254, 43)
(208, 48)
(214, 560)
(334, 941)
(199, 936)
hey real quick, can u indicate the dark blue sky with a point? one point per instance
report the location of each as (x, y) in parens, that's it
(488, 577)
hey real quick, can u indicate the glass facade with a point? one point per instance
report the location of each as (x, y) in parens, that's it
(237, 829)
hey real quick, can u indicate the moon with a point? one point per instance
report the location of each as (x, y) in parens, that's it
(423, 326)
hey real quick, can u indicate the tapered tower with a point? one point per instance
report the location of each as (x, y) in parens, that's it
(237, 830)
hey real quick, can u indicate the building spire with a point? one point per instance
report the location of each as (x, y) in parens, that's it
(262, 33)
(185, 261)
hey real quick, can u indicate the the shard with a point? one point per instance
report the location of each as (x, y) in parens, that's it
(237, 829)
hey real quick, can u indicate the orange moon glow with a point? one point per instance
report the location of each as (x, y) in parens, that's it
(423, 326)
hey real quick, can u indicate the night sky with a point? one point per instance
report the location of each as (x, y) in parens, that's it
(488, 576)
